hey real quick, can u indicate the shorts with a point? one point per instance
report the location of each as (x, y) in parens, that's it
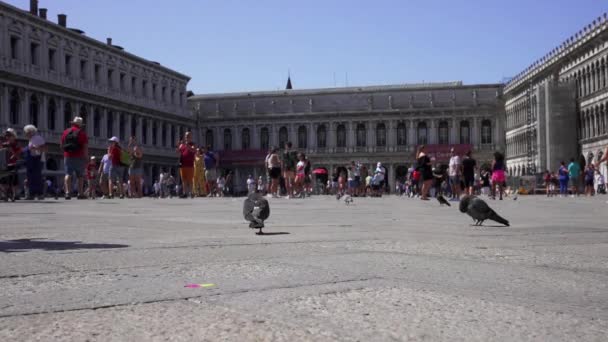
(353, 183)
(186, 174)
(574, 182)
(455, 180)
(136, 172)
(469, 181)
(307, 180)
(210, 175)
(92, 181)
(117, 172)
(104, 178)
(74, 166)
(289, 173)
(10, 179)
(300, 178)
(498, 177)
(589, 182)
(275, 173)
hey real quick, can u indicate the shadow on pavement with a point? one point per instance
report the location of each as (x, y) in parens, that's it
(21, 245)
(275, 233)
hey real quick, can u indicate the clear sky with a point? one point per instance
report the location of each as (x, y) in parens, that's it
(247, 45)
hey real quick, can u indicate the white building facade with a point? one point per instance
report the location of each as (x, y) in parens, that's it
(339, 125)
(50, 73)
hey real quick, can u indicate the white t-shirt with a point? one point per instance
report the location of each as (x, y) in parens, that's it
(36, 141)
(379, 173)
(455, 164)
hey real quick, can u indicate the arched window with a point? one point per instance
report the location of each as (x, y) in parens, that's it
(67, 115)
(465, 132)
(209, 137)
(422, 133)
(341, 136)
(133, 125)
(154, 133)
(486, 132)
(264, 138)
(444, 135)
(283, 136)
(144, 131)
(361, 135)
(51, 114)
(227, 139)
(401, 134)
(381, 135)
(14, 107)
(321, 136)
(97, 123)
(302, 137)
(34, 107)
(245, 139)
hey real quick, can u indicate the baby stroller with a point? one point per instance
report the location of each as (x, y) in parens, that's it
(8, 177)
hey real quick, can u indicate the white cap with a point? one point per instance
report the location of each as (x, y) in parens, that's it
(114, 139)
(77, 120)
(11, 131)
(92, 157)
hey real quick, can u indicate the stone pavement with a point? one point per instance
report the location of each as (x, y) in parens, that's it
(379, 270)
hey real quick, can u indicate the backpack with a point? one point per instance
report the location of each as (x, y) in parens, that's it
(71, 144)
(125, 158)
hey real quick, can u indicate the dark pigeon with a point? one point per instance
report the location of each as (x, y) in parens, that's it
(443, 201)
(256, 210)
(479, 210)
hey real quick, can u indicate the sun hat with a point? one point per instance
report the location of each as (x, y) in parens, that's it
(114, 139)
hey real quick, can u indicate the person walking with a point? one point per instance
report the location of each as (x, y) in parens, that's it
(34, 161)
(211, 161)
(14, 152)
(563, 177)
(117, 168)
(186, 151)
(589, 180)
(91, 173)
(274, 170)
(289, 161)
(498, 175)
(251, 185)
(426, 172)
(199, 181)
(574, 172)
(455, 173)
(104, 174)
(136, 168)
(75, 146)
(469, 166)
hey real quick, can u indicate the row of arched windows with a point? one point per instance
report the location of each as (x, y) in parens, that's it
(95, 119)
(591, 78)
(594, 122)
(361, 138)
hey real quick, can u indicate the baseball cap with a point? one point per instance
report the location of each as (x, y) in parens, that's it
(114, 139)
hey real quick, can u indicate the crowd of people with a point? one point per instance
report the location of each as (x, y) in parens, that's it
(120, 173)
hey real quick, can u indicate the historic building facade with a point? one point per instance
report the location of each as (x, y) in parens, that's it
(50, 73)
(338, 125)
(557, 108)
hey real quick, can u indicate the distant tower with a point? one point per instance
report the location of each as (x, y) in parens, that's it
(288, 86)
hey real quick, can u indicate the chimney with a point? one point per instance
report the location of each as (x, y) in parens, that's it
(34, 7)
(42, 13)
(109, 41)
(62, 20)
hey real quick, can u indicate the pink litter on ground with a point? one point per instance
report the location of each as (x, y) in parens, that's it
(195, 286)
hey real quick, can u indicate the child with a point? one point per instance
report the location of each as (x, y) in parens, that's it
(92, 177)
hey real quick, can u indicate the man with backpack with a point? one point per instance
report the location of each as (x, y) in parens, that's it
(75, 146)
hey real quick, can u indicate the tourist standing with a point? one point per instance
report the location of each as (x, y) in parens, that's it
(261, 186)
(186, 151)
(455, 172)
(589, 179)
(75, 146)
(300, 176)
(199, 181)
(426, 172)
(104, 174)
(547, 180)
(498, 174)
(117, 169)
(290, 159)
(91, 172)
(33, 161)
(563, 177)
(574, 172)
(468, 172)
(274, 170)
(14, 154)
(211, 164)
(136, 168)
(250, 185)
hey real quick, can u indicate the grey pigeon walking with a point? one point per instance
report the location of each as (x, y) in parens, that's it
(479, 210)
(255, 210)
(443, 201)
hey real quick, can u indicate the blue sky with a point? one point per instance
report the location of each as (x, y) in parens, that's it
(229, 45)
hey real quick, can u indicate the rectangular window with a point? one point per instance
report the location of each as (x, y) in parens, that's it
(154, 91)
(110, 81)
(133, 85)
(122, 82)
(68, 65)
(14, 48)
(34, 53)
(52, 59)
(97, 73)
(144, 88)
(163, 94)
(83, 69)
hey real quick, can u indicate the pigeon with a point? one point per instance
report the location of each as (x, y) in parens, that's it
(443, 201)
(479, 210)
(348, 199)
(256, 210)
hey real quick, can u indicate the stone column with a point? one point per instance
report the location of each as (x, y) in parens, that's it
(331, 136)
(59, 116)
(412, 135)
(43, 114)
(350, 136)
(128, 126)
(90, 121)
(475, 133)
(312, 142)
(454, 131)
(4, 104)
(370, 142)
(116, 126)
(104, 123)
(139, 121)
(391, 135)
(432, 132)
(237, 137)
(159, 135)
(149, 133)
(255, 139)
